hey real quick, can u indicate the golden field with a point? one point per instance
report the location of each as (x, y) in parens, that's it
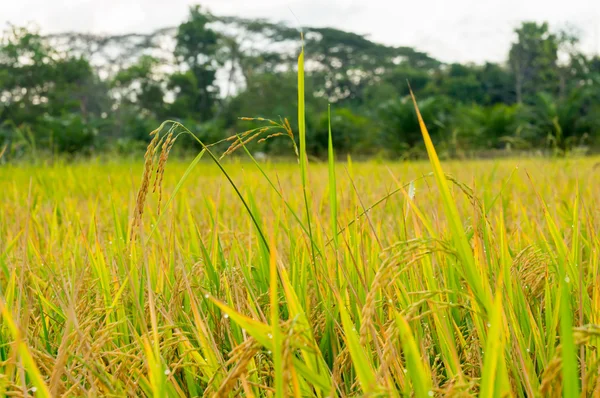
(391, 279)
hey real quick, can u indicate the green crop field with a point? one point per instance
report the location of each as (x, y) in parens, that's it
(299, 279)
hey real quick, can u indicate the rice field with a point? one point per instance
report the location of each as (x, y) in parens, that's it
(395, 290)
(326, 279)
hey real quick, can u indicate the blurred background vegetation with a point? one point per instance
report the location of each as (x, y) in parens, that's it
(77, 94)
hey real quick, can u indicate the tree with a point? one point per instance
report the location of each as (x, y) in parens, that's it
(399, 127)
(485, 127)
(274, 96)
(76, 92)
(533, 61)
(399, 77)
(496, 82)
(56, 96)
(194, 86)
(562, 123)
(141, 85)
(459, 82)
(351, 132)
(345, 64)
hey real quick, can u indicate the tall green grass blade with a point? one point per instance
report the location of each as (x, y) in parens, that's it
(28, 363)
(570, 372)
(303, 155)
(277, 335)
(332, 184)
(493, 382)
(417, 372)
(360, 360)
(476, 280)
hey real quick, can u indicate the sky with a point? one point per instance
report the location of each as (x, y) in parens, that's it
(450, 30)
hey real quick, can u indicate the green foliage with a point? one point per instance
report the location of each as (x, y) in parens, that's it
(195, 96)
(222, 68)
(142, 86)
(195, 93)
(353, 132)
(533, 60)
(267, 95)
(399, 125)
(196, 42)
(488, 127)
(57, 97)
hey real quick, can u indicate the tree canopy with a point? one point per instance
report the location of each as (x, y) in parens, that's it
(79, 93)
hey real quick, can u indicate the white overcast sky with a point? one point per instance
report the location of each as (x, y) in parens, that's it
(451, 30)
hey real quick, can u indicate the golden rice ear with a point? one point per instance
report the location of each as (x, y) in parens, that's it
(241, 139)
(241, 357)
(161, 160)
(271, 136)
(143, 191)
(160, 170)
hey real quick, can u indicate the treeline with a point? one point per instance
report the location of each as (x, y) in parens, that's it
(80, 94)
